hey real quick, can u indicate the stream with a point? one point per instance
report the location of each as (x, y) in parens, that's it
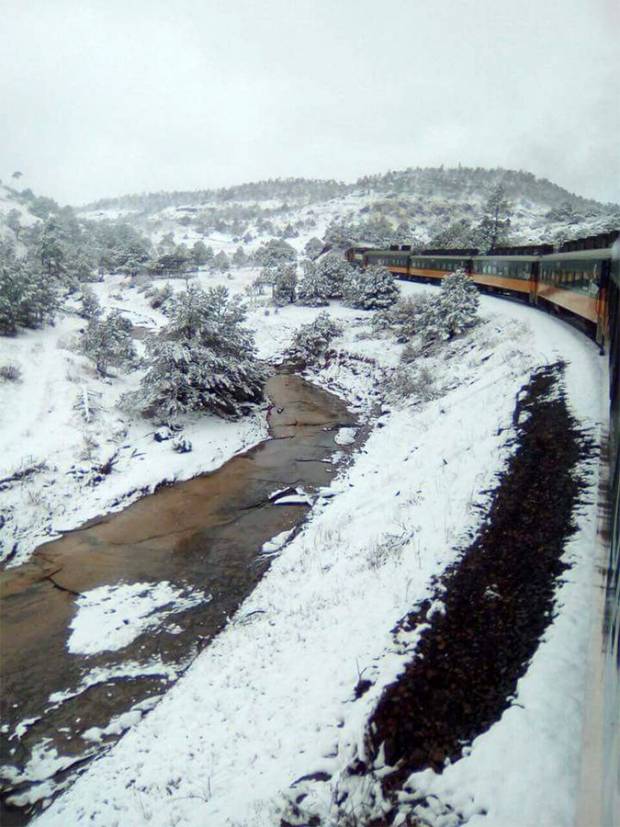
(204, 537)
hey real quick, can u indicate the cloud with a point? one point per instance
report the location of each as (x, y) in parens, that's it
(104, 97)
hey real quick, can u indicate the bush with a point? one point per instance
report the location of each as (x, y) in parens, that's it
(411, 383)
(160, 297)
(370, 289)
(108, 342)
(311, 340)
(451, 312)
(90, 307)
(203, 360)
(10, 373)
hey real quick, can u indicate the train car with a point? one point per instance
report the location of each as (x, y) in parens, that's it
(433, 265)
(396, 259)
(355, 255)
(511, 274)
(575, 283)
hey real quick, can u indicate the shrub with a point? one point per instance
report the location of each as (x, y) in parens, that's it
(451, 312)
(370, 289)
(107, 341)
(203, 360)
(311, 340)
(10, 373)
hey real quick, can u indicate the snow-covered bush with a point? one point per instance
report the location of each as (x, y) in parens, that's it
(400, 317)
(284, 284)
(333, 270)
(448, 314)
(312, 290)
(29, 297)
(203, 360)
(89, 304)
(412, 383)
(159, 298)
(312, 340)
(370, 289)
(181, 445)
(107, 341)
(10, 373)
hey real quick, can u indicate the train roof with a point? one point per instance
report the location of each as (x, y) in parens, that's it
(457, 252)
(501, 257)
(573, 255)
(591, 242)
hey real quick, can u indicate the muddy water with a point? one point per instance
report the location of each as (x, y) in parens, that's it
(203, 534)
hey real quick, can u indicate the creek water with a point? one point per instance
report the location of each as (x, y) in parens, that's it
(205, 534)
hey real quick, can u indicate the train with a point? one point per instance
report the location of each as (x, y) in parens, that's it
(580, 281)
(575, 281)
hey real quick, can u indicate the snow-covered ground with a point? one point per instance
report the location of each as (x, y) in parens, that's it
(272, 698)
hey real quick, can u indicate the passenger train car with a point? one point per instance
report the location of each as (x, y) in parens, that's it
(573, 281)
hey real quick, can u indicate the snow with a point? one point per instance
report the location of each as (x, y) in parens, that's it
(271, 699)
(111, 617)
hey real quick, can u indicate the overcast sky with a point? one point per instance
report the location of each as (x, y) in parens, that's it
(105, 97)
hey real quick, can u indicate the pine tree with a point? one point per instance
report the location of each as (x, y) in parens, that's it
(443, 316)
(239, 258)
(313, 289)
(370, 289)
(334, 271)
(90, 306)
(313, 248)
(220, 262)
(275, 252)
(204, 359)
(284, 284)
(107, 341)
(28, 296)
(495, 223)
(312, 340)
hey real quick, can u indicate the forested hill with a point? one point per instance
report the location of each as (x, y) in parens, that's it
(458, 183)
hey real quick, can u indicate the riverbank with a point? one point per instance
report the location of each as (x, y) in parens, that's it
(86, 651)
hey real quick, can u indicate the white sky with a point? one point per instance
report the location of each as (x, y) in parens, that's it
(105, 97)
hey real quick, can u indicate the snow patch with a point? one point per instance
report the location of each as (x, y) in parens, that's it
(111, 617)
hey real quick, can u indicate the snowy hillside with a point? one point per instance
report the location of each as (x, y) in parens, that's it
(400, 206)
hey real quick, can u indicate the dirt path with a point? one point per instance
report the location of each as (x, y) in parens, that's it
(203, 534)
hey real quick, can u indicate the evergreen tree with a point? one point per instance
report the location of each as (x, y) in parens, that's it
(28, 296)
(275, 252)
(312, 340)
(334, 271)
(199, 253)
(90, 307)
(221, 262)
(284, 284)
(370, 289)
(313, 248)
(239, 258)
(495, 223)
(204, 359)
(313, 290)
(448, 314)
(107, 341)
